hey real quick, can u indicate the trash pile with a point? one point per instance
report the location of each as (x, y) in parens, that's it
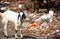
(44, 29)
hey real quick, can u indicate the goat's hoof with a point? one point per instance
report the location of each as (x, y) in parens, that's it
(6, 36)
(16, 38)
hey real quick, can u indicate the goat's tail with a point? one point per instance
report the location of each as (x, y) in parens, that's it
(0, 15)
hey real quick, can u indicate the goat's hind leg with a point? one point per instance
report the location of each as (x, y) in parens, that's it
(5, 29)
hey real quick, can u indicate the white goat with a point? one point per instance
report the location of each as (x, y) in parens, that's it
(10, 16)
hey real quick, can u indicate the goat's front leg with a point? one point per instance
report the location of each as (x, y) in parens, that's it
(16, 37)
(21, 35)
